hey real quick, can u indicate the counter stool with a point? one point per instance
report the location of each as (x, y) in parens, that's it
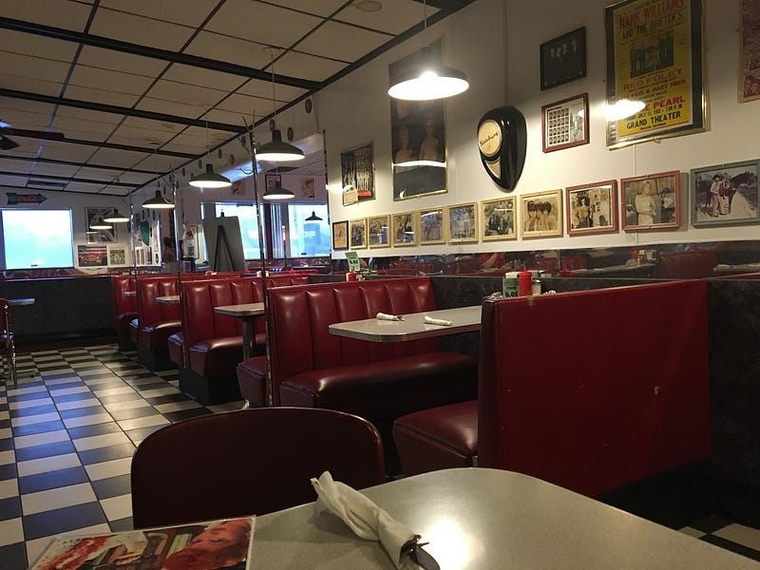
(251, 375)
(7, 343)
(438, 438)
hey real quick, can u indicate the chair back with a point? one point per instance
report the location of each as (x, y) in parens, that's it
(249, 462)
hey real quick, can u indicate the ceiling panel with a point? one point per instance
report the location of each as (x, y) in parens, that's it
(171, 108)
(187, 94)
(179, 11)
(229, 49)
(63, 170)
(25, 105)
(19, 181)
(158, 163)
(87, 188)
(94, 129)
(245, 106)
(58, 13)
(112, 157)
(342, 41)
(66, 151)
(24, 119)
(308, 66)
(101, 96)
(87, 115)
(97, 174)
(84, 76)
(34, 67)
(395, 17)
(27, 147)
(19, 166)
(135, 177)
(118, 61)
(36, 46)
(321, 8)
(263, 89)
(30, 85)
(138, 30)
(136, 136)
(203, 77)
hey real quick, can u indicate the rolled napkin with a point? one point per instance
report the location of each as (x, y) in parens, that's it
(364, 517)
(387, 317)
(442, 322)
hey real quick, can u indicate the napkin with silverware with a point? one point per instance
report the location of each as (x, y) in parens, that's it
(387, 317)
(441, 322)
(364, 517)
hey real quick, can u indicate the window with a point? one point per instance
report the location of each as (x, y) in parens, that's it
(37, 238)
(249, 229)
(308, 238)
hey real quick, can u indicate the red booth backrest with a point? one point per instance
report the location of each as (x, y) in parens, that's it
(149, 310)
(299, 317)
(121, 303)
(594, 390)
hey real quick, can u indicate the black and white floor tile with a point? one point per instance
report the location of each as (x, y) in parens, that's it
(70, 427)
(67, 434)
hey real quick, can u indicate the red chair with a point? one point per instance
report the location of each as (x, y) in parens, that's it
(7, 344)
(248, 462)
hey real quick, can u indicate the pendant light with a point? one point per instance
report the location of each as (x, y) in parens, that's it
(277, 150)
(209, 178)
(99, 224)
(428, 80)
(116, 218)
(313, 217)
(277, 192)
(158, 202)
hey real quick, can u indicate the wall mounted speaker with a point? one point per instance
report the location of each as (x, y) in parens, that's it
(502, 142)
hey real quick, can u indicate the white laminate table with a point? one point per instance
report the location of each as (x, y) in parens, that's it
(487, 519)
(246, 312)
(413, 327)
(168, 300)
(130, 293)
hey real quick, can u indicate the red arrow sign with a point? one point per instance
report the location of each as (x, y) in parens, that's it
(14, 198)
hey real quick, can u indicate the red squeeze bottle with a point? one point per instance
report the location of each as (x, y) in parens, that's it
(525, 280)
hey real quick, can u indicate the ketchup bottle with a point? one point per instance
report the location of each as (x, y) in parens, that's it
(525, 280)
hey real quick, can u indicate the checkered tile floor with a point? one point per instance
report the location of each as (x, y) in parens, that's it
(67, 435)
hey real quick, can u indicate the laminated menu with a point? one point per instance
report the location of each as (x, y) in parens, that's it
(226, 543)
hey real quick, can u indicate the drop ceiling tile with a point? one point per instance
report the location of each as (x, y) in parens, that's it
(97, 174)
(26, 147)
(15, 181)
(118, 61)
(139, 137)
(29, 85)
(396, 16)
(322, 8)
(57, 13)
(229, 49)
(113, 157)
(202, 97)
(62, 170)
(152, 126)
(101, 96)
(34, 67)
(139, 30)
(158, 163)
(211, 137)
(308, 66)
(269, 24)
(263, 89)
(24, 105)
(135, 177)
(246, 105)
(25, 120)
(229, 117)
(16, 166)
(84, 76)
(94, 129)
(179, 11)
(37, 46)
(66, 151)
(188, 148)
(203, 77)
(171, 108)
(85, 188)
(341, 41)
(89, 116)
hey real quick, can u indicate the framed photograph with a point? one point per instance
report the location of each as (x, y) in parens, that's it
(725, 194)
(270, 180)
(357, 167)
(463, 223)
(563, 59)
(651, 202)
(357, 234)
(92, 255)
(404, 229)
(432, 226)
(340, 235)
(378, 231)
(117, 255)
(499, 219)
(418, 135)
(749, 74)
(541, 214)
(565, 123)
(96, 215)
(592, 208)
(654, 56)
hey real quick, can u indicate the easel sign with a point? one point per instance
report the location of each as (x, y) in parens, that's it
(353, 261)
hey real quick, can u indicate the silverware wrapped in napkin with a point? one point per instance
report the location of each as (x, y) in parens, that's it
(369, 521)
(387, 317)
(441, 322)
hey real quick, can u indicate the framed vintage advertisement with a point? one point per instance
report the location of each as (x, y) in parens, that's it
(565, 123)
(117, 255)
(378, 231)
(404, 229)
(749, 70)
(499, 219)
(93, 215)
(418, 134)
(357, 234)
(563, 59)
(651, 202)
(541, 214)
(592, 208)
(463, 223)
(357, 168)
(725, 194)
(432, 226)
(654, 56)
(270, 180)
(340, 235)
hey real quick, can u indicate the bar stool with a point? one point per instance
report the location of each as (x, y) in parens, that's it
(7, 344)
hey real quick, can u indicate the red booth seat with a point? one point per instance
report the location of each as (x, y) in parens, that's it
(124, 309)
(155, 321)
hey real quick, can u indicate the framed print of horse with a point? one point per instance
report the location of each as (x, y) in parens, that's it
(725, 194)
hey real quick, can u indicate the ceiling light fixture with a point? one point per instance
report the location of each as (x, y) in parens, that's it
(158, 202)
(428, 80)
(116, 218)
(277, 192)
(99, 224)
(209, 178)
(277, 150)
(313, 217)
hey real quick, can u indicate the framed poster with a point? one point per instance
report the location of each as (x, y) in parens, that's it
(117, 255)
(654, 55)
(357, 167)
(94, 215)
(432, 226)
(418, 134)
(541, 214)
(592, 208)
(404, 229)
(463, 223)
(92, 255)
(563, 59)
(725, 194)
(749, 70)
(499, 219)
(651, 202)
(378, 231)
(270, 180)
(357, 234)
(340, 235)
(565, 123)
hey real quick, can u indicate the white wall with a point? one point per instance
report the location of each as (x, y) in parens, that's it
(496, 42)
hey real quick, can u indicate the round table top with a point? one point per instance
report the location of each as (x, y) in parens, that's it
(22, 301)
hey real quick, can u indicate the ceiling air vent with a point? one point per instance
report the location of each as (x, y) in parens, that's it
(45, 185)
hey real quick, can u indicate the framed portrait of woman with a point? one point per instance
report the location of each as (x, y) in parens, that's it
(340, 235)
(592, 208)
(378, 231)
(651, 202)
(541, 214)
